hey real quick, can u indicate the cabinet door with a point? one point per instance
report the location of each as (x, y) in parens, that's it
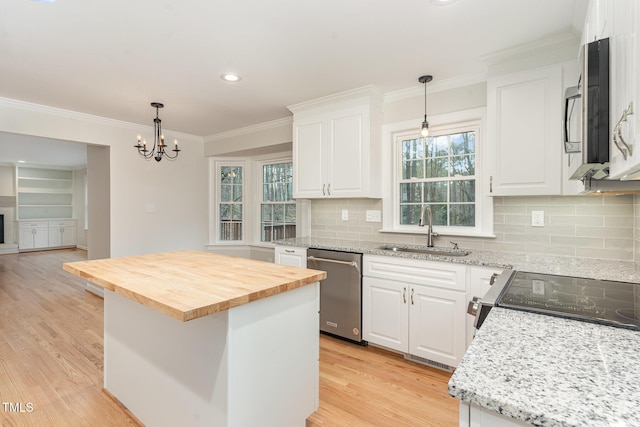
(26, 240)
(347, 136)
(55, 237)
(41, 237)
(524, 145)
(68, 236)
(384, 313)
(294, 257)
(437, 324)
(309, 159)
(623, 94)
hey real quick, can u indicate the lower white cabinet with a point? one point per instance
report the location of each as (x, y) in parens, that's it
(292, 256)
(46, 234)
(33, 235)
(62, 233)
(474, 416)
(416, 307)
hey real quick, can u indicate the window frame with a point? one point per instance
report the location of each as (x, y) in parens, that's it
(216, 180)
(259, 164)
(450, 123)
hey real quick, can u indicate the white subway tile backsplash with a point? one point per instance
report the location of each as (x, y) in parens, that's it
(587, 226)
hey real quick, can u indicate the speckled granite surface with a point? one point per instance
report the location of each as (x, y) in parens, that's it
(624, 271)
(550, 371)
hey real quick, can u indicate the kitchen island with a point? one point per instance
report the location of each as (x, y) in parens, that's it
(198, 339)
(526, 368)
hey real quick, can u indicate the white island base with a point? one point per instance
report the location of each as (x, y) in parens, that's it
(251, 365)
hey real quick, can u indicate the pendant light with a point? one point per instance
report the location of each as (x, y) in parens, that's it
(425, 124)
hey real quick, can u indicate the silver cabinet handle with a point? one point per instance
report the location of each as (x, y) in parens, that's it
(491, 184)
(617, 133)
(323, 193)
(329, 189)
(404, 295)
(412, 289)
(290, 251)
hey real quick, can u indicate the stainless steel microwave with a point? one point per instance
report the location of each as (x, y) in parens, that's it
(588, 103)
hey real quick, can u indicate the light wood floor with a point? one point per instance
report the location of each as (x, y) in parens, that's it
(51, 361)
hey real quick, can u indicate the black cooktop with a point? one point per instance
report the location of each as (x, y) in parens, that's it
(600, 301)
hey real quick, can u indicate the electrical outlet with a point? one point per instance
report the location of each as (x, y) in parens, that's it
(537, 218)
(151, 207)
(373, 216)
(345, 214)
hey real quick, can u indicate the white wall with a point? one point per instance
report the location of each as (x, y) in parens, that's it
(178, 189)
(7, 181)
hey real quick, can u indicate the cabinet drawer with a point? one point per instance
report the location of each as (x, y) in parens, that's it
(69, 223)
(32, 224)
(431, 273)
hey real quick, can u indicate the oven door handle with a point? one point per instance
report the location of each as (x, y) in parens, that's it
(335, 261)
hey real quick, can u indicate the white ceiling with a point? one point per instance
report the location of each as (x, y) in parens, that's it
(112, 58)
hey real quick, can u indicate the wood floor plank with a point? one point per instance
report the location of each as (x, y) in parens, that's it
(51, 355)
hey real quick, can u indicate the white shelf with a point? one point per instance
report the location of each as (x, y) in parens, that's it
(44, 193)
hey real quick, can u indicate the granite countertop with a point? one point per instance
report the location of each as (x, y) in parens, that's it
(187, 285)
(623, 271)
(550, 371)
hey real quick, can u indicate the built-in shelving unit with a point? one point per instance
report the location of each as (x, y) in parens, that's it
(44, 193)
(44, 208)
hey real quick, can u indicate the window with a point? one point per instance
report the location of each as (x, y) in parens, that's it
(231, 203)
(444, 171)
(439, 171)
(277, 207)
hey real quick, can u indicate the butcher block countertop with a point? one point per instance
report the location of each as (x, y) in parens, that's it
(187, 285)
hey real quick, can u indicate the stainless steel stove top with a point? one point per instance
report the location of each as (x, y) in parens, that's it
(601, 301)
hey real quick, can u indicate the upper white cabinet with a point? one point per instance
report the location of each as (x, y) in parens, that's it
(625, 56)
(337, 146)
(524, 144)
(598, 24)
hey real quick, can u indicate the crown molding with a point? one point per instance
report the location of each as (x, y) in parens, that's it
(556, 42)
(88, 118)
(435, 86)
(371, 93)
(285, 121)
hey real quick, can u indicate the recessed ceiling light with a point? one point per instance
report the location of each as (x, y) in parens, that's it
(44, 1)
(21, 161)
(442, 2)
(230, 77)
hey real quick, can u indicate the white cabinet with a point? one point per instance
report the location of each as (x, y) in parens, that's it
(479, 280)
(476, 416)
(288, 255)
(524, 144)
(598, 24)
(62, 233)
(414, 306)
(624, 62)
(46, 234)
(337, 147)
(33, 235)
(385, 320)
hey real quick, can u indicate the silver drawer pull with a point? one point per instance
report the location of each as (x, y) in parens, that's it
(493, 278)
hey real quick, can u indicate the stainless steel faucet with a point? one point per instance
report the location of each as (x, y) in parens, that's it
(430, 233)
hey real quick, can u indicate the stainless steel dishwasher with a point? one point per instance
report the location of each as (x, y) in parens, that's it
(340, 292)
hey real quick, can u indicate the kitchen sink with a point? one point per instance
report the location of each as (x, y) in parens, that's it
(427, 250)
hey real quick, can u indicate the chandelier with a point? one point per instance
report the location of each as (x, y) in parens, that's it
(158, 151)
